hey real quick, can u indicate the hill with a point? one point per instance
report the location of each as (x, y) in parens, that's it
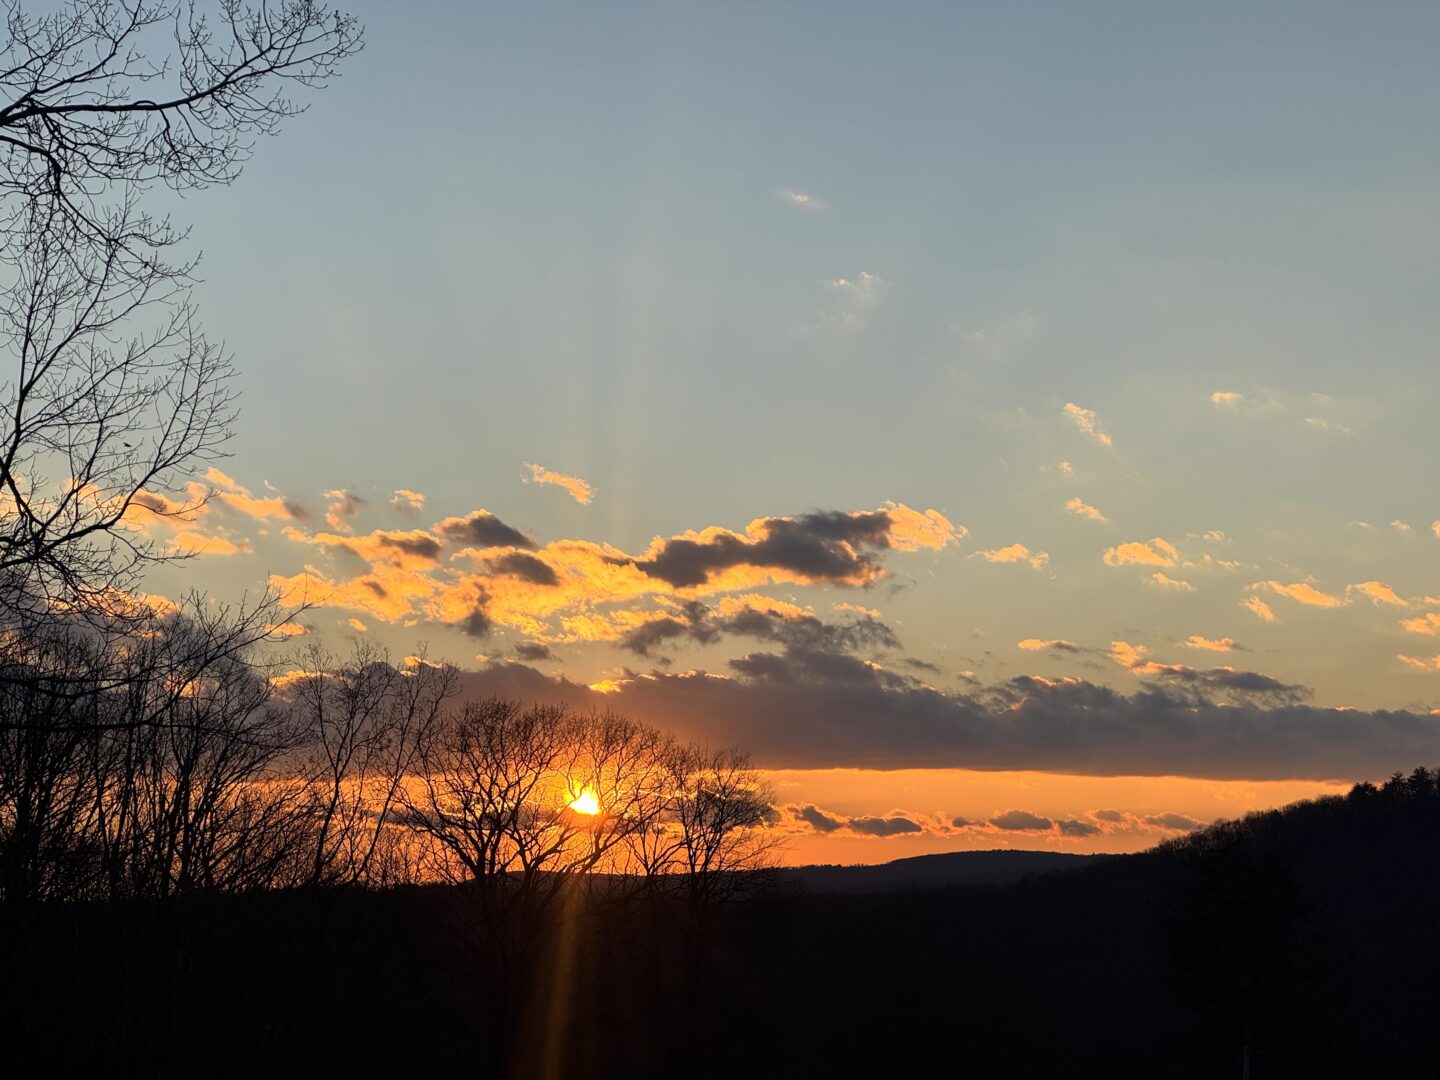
(958, 868)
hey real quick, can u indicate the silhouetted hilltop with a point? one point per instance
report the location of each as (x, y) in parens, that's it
(996, 867)
(1302, 942)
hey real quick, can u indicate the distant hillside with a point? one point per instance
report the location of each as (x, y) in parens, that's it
(997, 867)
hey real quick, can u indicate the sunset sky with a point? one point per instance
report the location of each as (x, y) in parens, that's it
(1016, 426)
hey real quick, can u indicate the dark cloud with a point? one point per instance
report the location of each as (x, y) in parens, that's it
(477, 624)
(699, 623)
(1113, 816)
(533, 651)
(824, 822)
(916, 664)
(1021, 821)
(483, 529)
(823, 546)
(421, 545)
(1076, 827)
(805, 709)
(1177, 822)
(525, 567)
(962, 823)
(884, 826)
(816, 818)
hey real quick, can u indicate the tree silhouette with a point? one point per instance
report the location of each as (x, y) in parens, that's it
(116, 395)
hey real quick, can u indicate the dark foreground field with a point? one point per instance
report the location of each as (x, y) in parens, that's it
(1306, 941)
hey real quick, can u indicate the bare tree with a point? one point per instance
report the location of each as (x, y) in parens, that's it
(363, 723)
(100, 101)
(141, 762)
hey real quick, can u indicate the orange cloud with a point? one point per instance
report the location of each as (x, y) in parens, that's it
(1080, 508)
(190, 542)
(1196, 641)
(1259, 609)
(1052, 644)
(1015, 553)
(1165, 581)
(1420, 663)
(407, 501)
(1301, 593)
(1084, 420)
(1427, 624)
(911, 530)
(1227, 398)
(1378, 593)
(1155, 552)
(233, 495)
(578, 489)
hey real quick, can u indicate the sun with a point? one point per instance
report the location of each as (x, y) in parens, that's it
(587, 803)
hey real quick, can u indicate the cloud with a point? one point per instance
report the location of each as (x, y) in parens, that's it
(343, 508)
(406, 501)
(1420, 663)
(895, 825)
(1225, 644)
(524, 566)
(533, 651)
(759, 617)
(191, 542)
(805, 710)
(1021, 821)
(1377, 592)
(578, 489)
(854, 299)
(1302, 593)
(358, 626)
(816, 818)
(1173, 822)
(824, 546)
(1084, 420)
(482, 529)
(1015, 553)
(1076, 828)
(1218, 680)
(1165, 581)
(1435, 527)
(1226, 398)
(1080, 508)
(1051, 645)
(1427, 624)
(1154, 552)
(801, 199)
(1400, 526)
(231, 494)
(822, 821)
(1259, 609)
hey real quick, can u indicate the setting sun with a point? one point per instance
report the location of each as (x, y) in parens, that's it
(587, 802)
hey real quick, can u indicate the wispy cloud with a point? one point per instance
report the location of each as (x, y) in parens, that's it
(407, 502)
(1259, 609)
(1080, 508)
(578, 489)
(803, 200)
(1084, 419)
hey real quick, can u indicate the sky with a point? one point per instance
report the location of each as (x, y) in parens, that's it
(1014, 425)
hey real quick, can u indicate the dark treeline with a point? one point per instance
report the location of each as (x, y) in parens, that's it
(346, 868)
(154, 771)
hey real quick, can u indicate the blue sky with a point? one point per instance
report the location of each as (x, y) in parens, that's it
(728, 262)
